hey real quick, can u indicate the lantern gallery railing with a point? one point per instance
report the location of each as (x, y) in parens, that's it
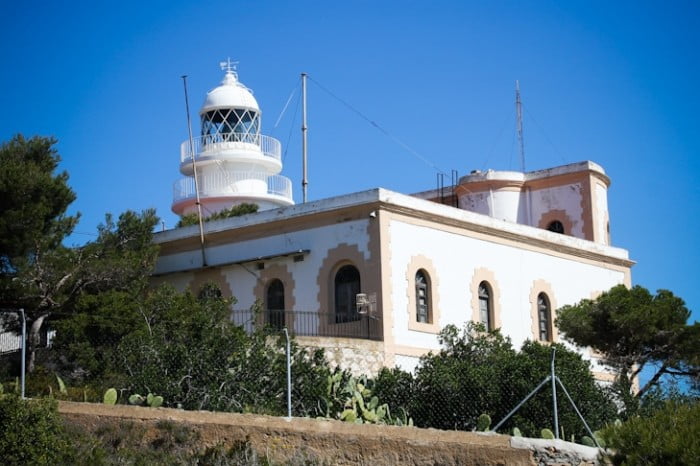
(310, 324)
(227, 182)
(216, 143)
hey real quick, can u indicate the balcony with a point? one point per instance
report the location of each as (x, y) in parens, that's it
(310, 324)
(220, 144)
(229, 183)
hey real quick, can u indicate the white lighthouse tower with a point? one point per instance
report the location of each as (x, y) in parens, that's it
(234, 163)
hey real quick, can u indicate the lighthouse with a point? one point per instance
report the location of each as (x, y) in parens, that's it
(234, 163)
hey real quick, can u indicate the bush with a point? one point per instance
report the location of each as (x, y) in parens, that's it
(187, 350)
(479, 372)
(395, 388)
(670, 436)
(235, 211)
(32, 433)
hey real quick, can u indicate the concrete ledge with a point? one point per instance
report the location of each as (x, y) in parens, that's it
(557, 451)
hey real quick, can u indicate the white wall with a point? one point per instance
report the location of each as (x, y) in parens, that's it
(455, 259)
(601, 197)
(526, 207)
(243, 277)
(567, 198)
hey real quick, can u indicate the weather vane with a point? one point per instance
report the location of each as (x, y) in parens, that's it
(228, 65)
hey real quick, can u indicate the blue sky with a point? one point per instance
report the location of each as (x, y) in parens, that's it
(612, 82)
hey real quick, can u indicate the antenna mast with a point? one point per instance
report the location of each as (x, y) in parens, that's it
(519, 124)
(194, 170)
(304, 180)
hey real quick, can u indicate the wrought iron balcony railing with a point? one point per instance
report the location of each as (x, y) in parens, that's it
(311, 324)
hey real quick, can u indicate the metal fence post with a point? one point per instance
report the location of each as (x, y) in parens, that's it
(24, 349)
(554, 397)
(289, 376)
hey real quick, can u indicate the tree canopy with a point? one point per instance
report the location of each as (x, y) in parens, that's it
(480, 372)
(636, 330)
(38, 272)
(33, 199)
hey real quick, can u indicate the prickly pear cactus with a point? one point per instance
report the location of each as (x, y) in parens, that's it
(483, 423)
(110, 397)
(154, 401)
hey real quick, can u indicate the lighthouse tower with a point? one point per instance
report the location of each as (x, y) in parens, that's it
(233, 162)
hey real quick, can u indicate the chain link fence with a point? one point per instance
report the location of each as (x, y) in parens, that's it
(194, 361)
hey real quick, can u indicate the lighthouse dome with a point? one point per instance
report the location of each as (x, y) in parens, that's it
(230, 94)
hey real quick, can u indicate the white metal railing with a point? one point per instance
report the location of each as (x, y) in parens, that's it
(209, 144)
(229, 182)
(10, 342)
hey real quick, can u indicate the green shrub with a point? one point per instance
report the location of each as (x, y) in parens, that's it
(235, 211)
(32, 433)
(226, 370)
(395, 388)
(670, 436)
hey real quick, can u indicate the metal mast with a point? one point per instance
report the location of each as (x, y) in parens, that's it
(519, 124)
(304, 180)
(194, 170)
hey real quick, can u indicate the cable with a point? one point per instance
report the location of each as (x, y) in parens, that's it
(291, 129)
(84, 233)
(556, 151)
(279, 118)
(378, 127)
(495, 141)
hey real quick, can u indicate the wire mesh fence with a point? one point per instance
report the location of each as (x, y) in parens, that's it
(194, 361)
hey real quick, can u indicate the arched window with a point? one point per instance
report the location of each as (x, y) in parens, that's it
(274, 304)
(209, 290)
(556, 226)
(423, 311)
(544, 314)
(485, 305)
(347, 285)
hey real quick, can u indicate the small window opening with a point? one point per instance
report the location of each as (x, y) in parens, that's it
(485, 305)
(544, 313)
(556, 226)
(422, 298)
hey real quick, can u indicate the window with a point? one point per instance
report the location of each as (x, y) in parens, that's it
(209, 290)
(274, 304)
(347, 285)
(422, 298)
(485, 306)
(423, 293)
(556, 226)
(544, 317)
(230, 125)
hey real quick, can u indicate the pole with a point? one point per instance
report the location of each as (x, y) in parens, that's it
(580, 416)
(24, 349)
(304, 180)
(512, 411)
(554, 397)
(519, 116)
(194, 172)
(289, 376)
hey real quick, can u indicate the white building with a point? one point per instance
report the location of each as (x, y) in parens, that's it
(516, 247)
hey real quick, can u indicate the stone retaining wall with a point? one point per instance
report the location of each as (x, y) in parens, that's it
(330, 442)
(360, 357)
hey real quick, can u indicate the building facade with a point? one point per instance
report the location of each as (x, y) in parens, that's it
(374, 276)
